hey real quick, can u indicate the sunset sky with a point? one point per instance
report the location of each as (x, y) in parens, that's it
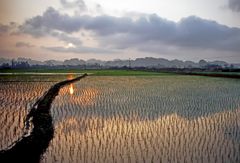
(113, 29)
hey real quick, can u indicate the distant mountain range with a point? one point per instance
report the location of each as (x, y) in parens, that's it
(147, 62)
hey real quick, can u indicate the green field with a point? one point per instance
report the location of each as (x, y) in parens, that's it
(222, 73)
(91, 72)
(109, 72)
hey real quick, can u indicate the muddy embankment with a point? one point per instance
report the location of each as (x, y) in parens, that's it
(30, 147)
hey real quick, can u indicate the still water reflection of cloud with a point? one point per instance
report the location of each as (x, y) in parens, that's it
(80, 96)
(169, 136)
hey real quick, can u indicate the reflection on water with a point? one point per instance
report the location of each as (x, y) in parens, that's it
(71, 89)
(139, 119)
(142, 119)
(15, 100)
(170, 138)
(82, 96)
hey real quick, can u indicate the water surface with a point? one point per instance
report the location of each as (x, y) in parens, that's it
(132, 119)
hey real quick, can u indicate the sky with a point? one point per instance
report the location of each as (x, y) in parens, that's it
(113, 29)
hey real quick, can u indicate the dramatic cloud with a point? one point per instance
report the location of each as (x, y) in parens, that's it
(234, 5)
(23, 44)
(126, 32)
(52, 19)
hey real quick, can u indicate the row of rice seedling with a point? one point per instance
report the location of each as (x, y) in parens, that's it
(16, 98)
(142, 119)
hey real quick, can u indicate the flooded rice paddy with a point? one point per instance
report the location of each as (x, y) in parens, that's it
(130, 119)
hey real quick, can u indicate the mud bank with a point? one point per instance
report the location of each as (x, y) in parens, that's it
(31, 146)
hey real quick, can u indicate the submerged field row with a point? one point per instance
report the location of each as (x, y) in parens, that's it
(37, 140)
(134, 119)
(147, 120)
(16, 100)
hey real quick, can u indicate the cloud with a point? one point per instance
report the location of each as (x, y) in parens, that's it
(80, 4)
(23, 44)
(8, 28)
(66, 38)
(79, 50)
(52, 19)
(234, 5)
(98, 8)
(4, 28)
(125, 32)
